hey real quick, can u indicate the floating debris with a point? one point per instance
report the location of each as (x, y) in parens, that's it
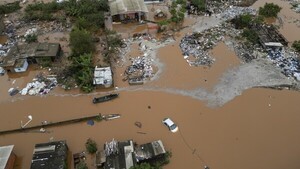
(40, 85)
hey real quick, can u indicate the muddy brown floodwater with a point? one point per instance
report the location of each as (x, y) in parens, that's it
(259, 129)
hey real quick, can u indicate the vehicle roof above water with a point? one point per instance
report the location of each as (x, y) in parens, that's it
(168, 121)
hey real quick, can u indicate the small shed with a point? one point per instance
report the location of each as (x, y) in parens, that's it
(103, 77)
(21, 65)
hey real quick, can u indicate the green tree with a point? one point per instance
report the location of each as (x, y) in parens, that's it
(31, 38)
(243, 21)
(296, 45)
(81, 42)
(250, 35)
(81, 165)
(142, 166)
(269, 10)
(199, 3)
(177, 10)
(91, 146)
(82, 66)
(9, 8)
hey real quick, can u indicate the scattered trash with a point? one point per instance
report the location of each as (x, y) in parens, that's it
(138, 124)
(13, 91)
(286, 60)
(2, 71)
(40, 85)
(90, 122)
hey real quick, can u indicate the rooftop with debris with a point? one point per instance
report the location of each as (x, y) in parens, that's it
(149, 150)
(103, 76)
(30, 50)
(119, 155)
(50, 155)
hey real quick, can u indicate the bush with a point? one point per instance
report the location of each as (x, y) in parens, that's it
(91, 146)
(81, 42)
(9, 8)
(31, 38)
(81, 165)
(250, 35)
(177, 11)
(269, 10)
(296, 45)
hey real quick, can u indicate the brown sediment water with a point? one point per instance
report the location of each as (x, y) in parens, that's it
(3, 39)
(178, 74)
(259, 129)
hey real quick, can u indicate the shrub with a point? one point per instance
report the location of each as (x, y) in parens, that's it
(91, 146)
(31, 38)
(250, 35)
(296, 45)
(269, 10)
(9, 8)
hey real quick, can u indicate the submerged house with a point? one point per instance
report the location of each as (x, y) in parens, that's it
(269, 36)
(7, 157)
(20, 56)
(123, 155)
(52, 155)
(128, 10)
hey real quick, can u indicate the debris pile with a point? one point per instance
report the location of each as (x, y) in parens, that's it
(234, 11)
(289, 65)
(41, 85)
(198, 43)
(295, 5)
(139, 69)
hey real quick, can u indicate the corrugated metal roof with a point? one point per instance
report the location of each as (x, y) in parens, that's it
(127, 6)
(5, 152)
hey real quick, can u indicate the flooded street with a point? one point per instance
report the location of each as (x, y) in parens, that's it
(245, 133)
(257, 129)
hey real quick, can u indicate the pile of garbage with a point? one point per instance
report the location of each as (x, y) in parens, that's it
(198, 43)
(140, 68)
(234, 11)
(295, 5)
(41, 85)
(289, 65)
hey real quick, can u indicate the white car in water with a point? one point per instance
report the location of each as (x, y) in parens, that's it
(170, 124)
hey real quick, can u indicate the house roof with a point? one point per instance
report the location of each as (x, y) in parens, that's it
(127, 6)
(5, 152)
(102, 76)
(149, 150)
(30, 50)
(50, 155)
(123, 159)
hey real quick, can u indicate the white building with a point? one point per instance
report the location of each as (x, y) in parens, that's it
(103, 77)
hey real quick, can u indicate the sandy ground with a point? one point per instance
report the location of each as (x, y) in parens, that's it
(221, 124)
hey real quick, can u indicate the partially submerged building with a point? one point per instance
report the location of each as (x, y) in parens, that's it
(7, 157)
(103, 77)
(269, 36)
(128, 10)
(20, 56)
(123, 155)
(149, 151)
(52, 155)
